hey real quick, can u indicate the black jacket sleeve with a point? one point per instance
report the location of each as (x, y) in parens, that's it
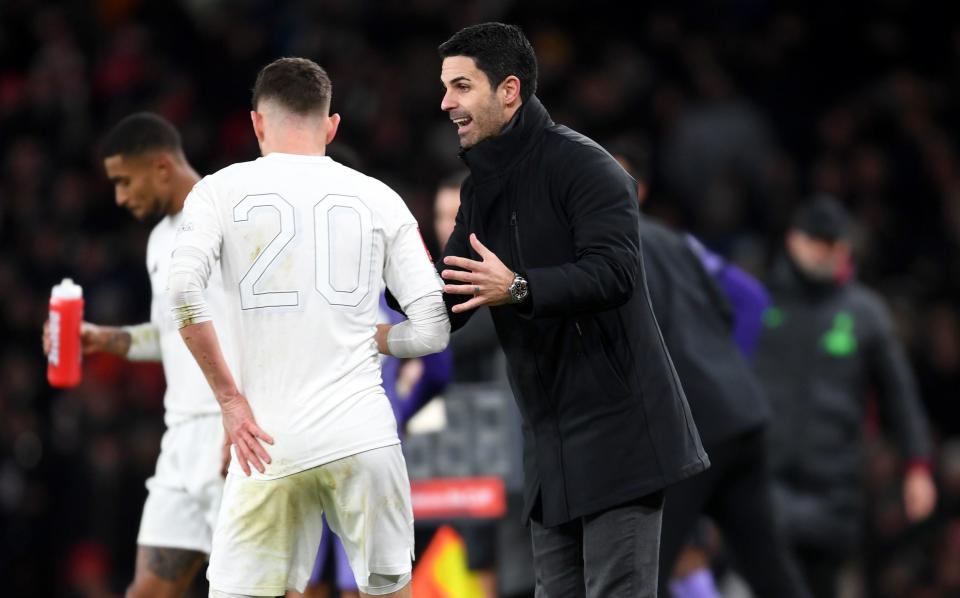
(601, 204)
(899, 400)
(457, 244)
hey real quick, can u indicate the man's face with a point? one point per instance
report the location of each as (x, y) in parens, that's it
(139, 184)
(817, 258)
(445, 209)
(474, 107)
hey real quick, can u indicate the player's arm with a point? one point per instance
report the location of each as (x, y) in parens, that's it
(194, 257)
(412, 279)
(140, 342)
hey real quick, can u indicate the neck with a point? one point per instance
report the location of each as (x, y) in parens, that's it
(287, 134)
(299, 149)
(299, 143)
(184, 178)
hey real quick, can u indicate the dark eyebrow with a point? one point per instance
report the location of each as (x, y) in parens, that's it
(456, 80)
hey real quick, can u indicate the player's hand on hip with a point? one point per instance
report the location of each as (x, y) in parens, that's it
(244, 433)
(488, 280)
(225, 455)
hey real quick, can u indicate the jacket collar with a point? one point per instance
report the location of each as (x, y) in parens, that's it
(496, 154)
(788, 276)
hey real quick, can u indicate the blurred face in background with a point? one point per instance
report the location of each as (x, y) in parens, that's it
(141, 183)
(478, 110)
(819, 259)
(445, 208)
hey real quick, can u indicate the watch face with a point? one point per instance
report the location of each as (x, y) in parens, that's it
(518, 290)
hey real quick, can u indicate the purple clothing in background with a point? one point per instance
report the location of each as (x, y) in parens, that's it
(747, 295)
(699, 584)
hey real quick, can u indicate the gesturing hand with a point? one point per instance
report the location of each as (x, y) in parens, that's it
(488, 280)
(244, 433)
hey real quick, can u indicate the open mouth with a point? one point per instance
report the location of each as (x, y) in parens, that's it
(462, 122)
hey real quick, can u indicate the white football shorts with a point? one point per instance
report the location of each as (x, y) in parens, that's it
(267, 534)
(184, 493)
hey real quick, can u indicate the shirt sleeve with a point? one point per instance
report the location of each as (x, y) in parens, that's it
(195, 254)
(408, 270)
(144, 342)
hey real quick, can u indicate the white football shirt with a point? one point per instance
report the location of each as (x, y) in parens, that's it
(304, 245)
(188, 393)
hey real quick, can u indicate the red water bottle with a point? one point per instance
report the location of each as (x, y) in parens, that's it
(66, 314)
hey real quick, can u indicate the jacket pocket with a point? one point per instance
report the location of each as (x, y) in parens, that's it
(598, 358)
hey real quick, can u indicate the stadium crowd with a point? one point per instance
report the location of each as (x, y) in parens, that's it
(735, 111)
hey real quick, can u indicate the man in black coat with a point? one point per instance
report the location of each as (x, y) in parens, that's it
(547, 237)
(828, 341)
(731, 414)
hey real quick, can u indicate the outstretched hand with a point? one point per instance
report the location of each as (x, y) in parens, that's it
(488, 280)
(243, 433)
(94, 339)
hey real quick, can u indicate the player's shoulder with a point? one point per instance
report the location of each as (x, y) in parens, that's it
(233, 172)
(370, 189)
(365, 181)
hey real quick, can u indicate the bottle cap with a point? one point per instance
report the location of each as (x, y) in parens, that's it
(67, 289)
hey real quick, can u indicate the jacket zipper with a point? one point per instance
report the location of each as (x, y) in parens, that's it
(516, 241)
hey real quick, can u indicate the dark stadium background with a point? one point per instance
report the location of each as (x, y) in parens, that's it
(737, 109)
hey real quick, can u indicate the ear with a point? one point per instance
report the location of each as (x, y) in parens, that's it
(257, 120)
(333, 123)
(509, 90)
(162, 166)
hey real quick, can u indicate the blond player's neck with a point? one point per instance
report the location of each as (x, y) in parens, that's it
(286, 133)
(301, 143)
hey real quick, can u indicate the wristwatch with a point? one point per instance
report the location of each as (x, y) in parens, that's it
(518, 289)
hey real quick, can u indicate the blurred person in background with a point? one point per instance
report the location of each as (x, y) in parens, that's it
(827, 342)
(546, 237)
(144, 160)
(698, 325)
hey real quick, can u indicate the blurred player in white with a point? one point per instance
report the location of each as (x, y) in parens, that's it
(144, 160)
(304, 245)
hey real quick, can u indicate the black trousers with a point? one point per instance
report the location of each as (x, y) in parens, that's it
(821, 568)
(736, 494)
(611, 554)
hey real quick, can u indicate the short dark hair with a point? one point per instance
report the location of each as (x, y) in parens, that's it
(499, 50)
(141, 133)
(823, 217)
(298, 84)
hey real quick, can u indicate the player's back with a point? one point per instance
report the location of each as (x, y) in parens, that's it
(303, 250)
